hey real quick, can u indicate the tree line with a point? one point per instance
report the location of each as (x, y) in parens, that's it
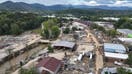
(124, 23)
(14, 23)
(96, 12)
(50, 29)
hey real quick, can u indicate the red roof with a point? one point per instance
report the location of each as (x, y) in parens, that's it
(50, 63)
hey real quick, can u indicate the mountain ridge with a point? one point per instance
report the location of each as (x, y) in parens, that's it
(21, 6)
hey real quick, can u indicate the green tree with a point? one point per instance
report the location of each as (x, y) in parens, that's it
(50, 49)
(94, 26)
(111, 33)
(129, 60)
(49, 23)
(28, 71)
(55, 31)
(66, 31)
(100, 28)
(123, 71)
(46, 33)
(50, 30)
(124, 23)
(16, 23)
(6, 29)
(106, 73)
(15, 29)
(74, 28)
(76, 36)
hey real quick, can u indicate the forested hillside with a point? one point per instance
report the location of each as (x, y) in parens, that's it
(16, 23)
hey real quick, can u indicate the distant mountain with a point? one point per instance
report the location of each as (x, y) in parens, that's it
(15, 6)
(104, 7)
(21, 6)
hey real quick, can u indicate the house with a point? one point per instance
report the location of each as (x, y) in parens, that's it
(126, 40)
(114, 52)
(49, 65)
(106, 25)
(114, 48)
(112, 57)
(110, 18)
(65, 45)
(86, 23)
(125, 32)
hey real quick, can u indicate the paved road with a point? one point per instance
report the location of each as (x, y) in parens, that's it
(99, 57)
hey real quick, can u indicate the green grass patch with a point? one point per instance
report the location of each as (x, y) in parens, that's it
(38, 30)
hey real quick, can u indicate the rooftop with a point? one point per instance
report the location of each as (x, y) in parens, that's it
(110, 47)
(116, 55)
(129, 40)
(64, 44)
(106, 25)
(49, 63)
(125, 31)
(111, 18)
(83, 22)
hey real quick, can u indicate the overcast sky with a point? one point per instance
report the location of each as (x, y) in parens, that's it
(79, 2)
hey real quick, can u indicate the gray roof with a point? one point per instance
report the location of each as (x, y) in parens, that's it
(127, 40)
(125, 31)
(64, 44)
(110, 47)
(116, 55)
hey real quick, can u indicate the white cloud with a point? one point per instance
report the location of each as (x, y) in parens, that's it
(83, 2)
(121, 3)
(79, 2)
(93, 3)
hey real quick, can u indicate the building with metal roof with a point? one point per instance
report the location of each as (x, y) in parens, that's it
(106, 25)
(126, 40)
(114, 48)
(87, 23)
(116, 55)
(64, 44)
(49, 65)
(124, 31)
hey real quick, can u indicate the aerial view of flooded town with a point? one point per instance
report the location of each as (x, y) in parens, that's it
(65, 37)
